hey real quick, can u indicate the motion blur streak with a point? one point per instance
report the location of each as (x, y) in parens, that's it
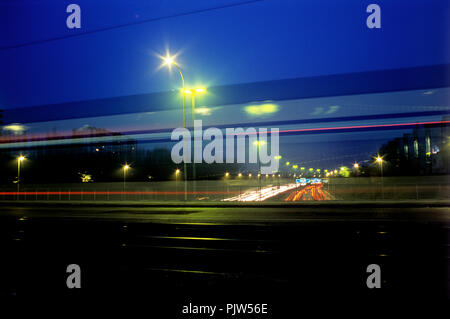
(261, 195)
(310, 192)
(37, 140)
(112, 193)
(363, 126)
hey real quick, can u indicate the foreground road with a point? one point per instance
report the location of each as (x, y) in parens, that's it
(170, 256)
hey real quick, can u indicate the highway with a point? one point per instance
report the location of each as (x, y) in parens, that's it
(169, 254)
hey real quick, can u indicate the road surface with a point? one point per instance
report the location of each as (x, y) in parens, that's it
(170, 255)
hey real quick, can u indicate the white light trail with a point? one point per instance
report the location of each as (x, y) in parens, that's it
(260, 195)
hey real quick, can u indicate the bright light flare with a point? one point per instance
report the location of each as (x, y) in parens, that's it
(262, 109)
(195, 91)
(167, 60)
(16, 128)
(259, 143)
(203, 111)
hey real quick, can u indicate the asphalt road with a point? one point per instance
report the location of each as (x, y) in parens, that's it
(170, 256)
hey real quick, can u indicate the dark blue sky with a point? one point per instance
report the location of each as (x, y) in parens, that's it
(266, 40)
(257, 41)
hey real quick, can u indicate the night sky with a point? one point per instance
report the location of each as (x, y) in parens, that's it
(218, 43)
(258, 41)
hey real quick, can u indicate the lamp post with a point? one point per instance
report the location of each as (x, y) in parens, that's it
(356, 167)
(169, 60)
(125, 168)
(177, 172)
(20, 159)
(258, 144)
(380, 161)
(193, 93)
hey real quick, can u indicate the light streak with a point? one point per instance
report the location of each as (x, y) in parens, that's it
(261, 195)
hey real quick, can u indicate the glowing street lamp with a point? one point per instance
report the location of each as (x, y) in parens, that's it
(379, 160)
(177, 172)
(125, 168)
(169, 61)
(20, 159)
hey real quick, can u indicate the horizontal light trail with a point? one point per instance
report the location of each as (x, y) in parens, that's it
(261, 195)
(310, 192)
(337, 128)
(36, 141)
(117, 193)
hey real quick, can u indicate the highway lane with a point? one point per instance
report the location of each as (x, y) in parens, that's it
(222, 254)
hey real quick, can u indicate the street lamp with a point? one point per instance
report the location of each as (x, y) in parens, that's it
(193, 93)
(20, 159)
(258, 144)
(380, 161)
(177, 172)
(227, 175)
(169, 61)
(356, 167)
(125, 168)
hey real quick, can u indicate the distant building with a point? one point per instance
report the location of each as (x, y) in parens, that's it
(424, 151)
